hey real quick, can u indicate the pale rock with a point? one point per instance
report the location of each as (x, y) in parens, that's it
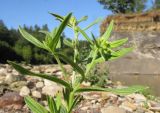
(59, 73)
(112, 109)
(3, 72)
(14, 72)
(129, 106)
(39, 84)
(51, 90)
(9, 78)
(25, 91)
(86, 84)
(138, 98)
(36, 94)
(49, 83)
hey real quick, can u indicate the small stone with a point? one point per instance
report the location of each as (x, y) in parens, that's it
(112, 109)
(36, 94)
(51, 90)
(49, 83)
(25, 91)
(3, 72)
(138, 98)
(128, 106)
(39, 84)
(11, 100)
(9, 78)
(18, 85)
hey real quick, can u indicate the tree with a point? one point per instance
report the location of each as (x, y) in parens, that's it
(156, 4)
(124, 6)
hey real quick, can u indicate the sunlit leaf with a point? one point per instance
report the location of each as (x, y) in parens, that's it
(68, 43)
(35, 106)
(93, 23)
(52, 105)
(74, 65)
(122, 91)
(82, 19)
(59, 31)
(31, 38)
(107, 34)
(85, 35)
(53, 78)
(118, 43)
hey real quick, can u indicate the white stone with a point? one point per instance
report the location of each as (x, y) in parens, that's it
(3, 72)
(39, 84)
(25, 91)
(36, 94)
(9, 78)
(49, 83)
(51, 90)
(14, 72)
(112, 109)
(138, 97)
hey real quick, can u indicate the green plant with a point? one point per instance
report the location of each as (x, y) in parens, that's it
(98, 76)
(101, 50)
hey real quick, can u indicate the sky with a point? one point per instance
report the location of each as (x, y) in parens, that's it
(31, 12)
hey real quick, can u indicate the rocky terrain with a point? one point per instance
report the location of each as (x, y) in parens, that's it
(14, 86)
(142, 65)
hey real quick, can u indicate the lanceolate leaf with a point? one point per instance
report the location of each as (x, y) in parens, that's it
(60, 18)
(68, 43)
(107, 34)
(27, 72)
(122, 91)
(85, 35)
(74, 65)
(52, 105)
(35, 106)
(30, 38)
(120, 53)
(118, 43)
(59, 31)
(92, 24)
(82, 19)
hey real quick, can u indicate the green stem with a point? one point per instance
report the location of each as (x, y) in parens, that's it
(61, 66)
(89, 66)
(75, 44)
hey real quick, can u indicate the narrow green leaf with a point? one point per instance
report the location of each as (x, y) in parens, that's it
(120, 53)
(60, 30)
(30, 38)
(68, 43)
(74, 65)
(52, 105)
(53, 78)
(60, 18)
(82, 19)
(77, 99)
(118, 43)
(95, 41)
(85, 35)
(35, 106)
(58, 101)
(107, 34)
(93, 23)
(122, 91)
(45, 32)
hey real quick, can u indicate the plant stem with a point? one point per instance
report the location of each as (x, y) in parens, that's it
(76, 52)
(61, 66)
(89, 66)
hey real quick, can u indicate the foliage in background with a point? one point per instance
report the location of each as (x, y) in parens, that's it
(98, 76)
(101, 50)
(124, 6)
(19, 50)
